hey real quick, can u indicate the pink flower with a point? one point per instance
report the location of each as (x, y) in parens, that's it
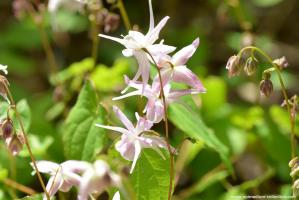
(136, 42)
(96, 179)
(174, 68)
(133, 138)
(154, 108)
(63, 176)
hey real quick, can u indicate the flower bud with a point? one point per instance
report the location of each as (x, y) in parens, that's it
(281, 62)
(111, 22)
(233, 65)
(266, 87)
(293, 162)
(7, 129)
(250, 66)
(15, 146)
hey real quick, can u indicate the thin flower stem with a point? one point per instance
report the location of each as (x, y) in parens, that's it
(171, 173)
(284, 92)
(18, 186)
(18, 116)
(124, 14)
(44, 38)
(94, 37)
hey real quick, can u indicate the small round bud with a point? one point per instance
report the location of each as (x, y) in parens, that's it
(111, 22)
(7, 128)
(266, 87)
(233, 65)
(294, 162)
(15, 146)
(250, 66)
(281, 62)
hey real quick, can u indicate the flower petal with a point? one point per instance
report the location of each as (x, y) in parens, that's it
(182, 74)
(119, 40)
(4, 69)
(182, 56)
(53, 185)
(153, 35)
(116, 196)
(47, 167)
(113, 128)
(123, 118)
(152, 22)
(136, 155)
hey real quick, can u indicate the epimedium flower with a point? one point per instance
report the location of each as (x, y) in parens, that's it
(134, 138)
(96, 179)
(154, 108)
(174, 68)
(63, 176)
(139, 45)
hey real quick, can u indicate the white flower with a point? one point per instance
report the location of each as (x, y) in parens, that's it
(136, 43)
(63, 176)
(96, 179)
(3, 68)
(133, 140)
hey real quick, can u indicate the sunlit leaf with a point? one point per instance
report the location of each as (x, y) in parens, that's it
(191, 124)
(151, 176)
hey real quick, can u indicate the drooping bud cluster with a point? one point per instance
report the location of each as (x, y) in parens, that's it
(13, 142)
(88, 178)
(235, 63)
(159, 91)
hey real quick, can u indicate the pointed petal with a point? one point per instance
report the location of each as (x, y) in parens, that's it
(182, 74)
(134, 93)
(160, 49)
(182, 56)
(46, 167)
(144, 67)
(4, 69)
(54, 184)
(113, 128)
(136, 155)
(123, 118)
(85, 186)
(75, 166)
(126, 148)
(176, 94)
(152, 22)
(119, 40)
(153, 35)
(116, 196)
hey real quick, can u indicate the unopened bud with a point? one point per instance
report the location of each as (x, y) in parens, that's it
(281, 62)
(233, 65)
(15, 146)
(111, 22)
(7, 129)
(250, 66)
(266, 87)
(293, 162)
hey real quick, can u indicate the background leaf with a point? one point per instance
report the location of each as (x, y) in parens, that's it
(151, 176)
(82, 139)
(191, 123)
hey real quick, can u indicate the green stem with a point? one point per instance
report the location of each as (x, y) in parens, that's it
(124, 14)
(171, 173)
(18, 116)
(94, 37)
(45, 40)
(284, 92)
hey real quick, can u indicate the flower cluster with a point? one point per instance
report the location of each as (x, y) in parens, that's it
(13, 140)
(88, 178)
(159, 93)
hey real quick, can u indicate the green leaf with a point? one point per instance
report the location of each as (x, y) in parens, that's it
(151, 176)
(82, 139)
(102, 75)
(74, 70)
(266, 3)
(192, 125)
